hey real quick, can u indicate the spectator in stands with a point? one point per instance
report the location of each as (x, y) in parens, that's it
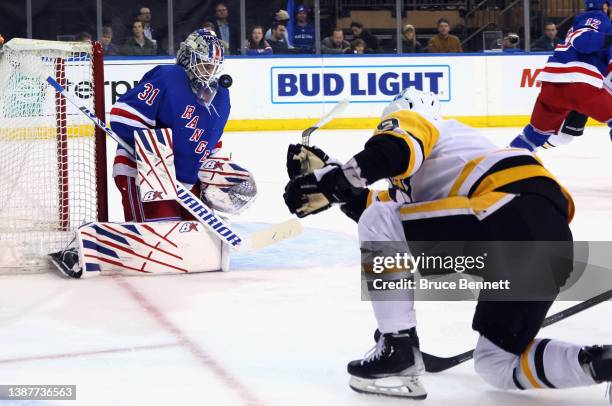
(549, 40)
(211, 27)
(443, 42)
(144, 16)
(256, 44)
(335, 43)
(1, 41)
(303, 32)
(277, 38)
(223, 27)
(365, 35)
(358, 46)
(138, 44)
(109, 48)
(281, 17)
(511, 43)
(83, 36)
(410, 45)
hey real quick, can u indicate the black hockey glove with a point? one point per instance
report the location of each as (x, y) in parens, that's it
(302, 159)
(314, 192)
(355, 208)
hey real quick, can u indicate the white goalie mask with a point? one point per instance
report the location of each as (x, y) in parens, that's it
(225, 186)
(426, 104)
(201, 54)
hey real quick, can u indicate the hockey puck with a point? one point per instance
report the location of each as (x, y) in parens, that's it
(226, 81)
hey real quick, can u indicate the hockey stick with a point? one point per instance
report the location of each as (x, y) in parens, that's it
(439, 364)
(338, 108)
(190, 202)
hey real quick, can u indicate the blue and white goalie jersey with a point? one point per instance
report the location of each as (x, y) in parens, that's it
(164, 99)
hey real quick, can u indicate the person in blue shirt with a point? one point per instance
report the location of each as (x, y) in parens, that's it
(186, 98)
(303, 32)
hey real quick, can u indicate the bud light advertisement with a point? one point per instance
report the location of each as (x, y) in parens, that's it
(359, 84)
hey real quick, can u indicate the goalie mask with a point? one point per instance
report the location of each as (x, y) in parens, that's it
(225, 186)
(426, 104)
(201, 54)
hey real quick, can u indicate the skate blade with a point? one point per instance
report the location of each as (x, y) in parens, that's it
(407, 387)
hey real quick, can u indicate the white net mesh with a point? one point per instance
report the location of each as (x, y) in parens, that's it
(47, 150)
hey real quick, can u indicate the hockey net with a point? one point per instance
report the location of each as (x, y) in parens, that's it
(52, 159)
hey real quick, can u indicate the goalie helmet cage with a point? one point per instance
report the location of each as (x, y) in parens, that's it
(52, 158)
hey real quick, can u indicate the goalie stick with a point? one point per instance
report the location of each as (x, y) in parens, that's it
(338, 108)
(191, 203)
(438, 364)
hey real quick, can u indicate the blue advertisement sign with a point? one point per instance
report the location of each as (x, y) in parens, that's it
(360, 84)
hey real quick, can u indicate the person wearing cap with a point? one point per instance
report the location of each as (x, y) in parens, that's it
(303, 32)
(410, 45)
(281, 17)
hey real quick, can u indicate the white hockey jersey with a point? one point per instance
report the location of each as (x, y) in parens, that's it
(452, 166)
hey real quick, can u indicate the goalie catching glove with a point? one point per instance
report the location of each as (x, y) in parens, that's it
(314, 192)
(226, 186)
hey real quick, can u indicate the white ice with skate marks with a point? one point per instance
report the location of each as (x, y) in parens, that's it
(280, 329)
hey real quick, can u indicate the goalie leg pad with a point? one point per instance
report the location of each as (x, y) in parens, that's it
(150, 248)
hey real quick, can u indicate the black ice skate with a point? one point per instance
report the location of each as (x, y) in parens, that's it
(597, 360)
(391, 368)
(67, 261)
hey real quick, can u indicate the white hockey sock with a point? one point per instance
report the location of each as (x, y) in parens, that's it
(394, 316)
(544, 364)
(550, 363)
(394, 309)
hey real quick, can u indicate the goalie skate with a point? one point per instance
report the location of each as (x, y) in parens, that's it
(67, 262)
(391, 368)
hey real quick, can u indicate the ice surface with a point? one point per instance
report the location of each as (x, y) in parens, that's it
(280, 328)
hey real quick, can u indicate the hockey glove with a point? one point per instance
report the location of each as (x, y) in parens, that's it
(314, 192)
(303, 159)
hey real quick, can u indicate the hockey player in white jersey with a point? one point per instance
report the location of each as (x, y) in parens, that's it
(450, 183)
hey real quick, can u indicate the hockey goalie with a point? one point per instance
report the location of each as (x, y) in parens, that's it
(173, 121)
